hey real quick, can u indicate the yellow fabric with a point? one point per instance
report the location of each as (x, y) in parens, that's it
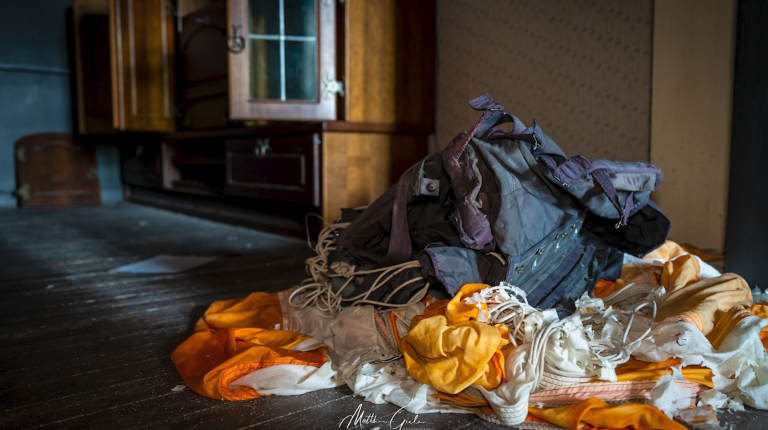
(451, 357)
(761, 310)
(457, 311)
(462, 399)
(436, 308)
(234, 338)
(450, 350)
(597, 413)
(709, 299)
(667, 251)
(636, 370)
(701, 302)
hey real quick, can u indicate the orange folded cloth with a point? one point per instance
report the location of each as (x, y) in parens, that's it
(237, 337)
(596, 413)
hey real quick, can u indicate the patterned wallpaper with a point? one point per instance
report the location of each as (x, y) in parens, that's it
(582, 68)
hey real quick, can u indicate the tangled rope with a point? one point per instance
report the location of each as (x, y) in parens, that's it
(504, 307)
(508, 305)
(318, 290)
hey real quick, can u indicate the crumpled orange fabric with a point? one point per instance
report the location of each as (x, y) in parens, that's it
(448, 349)
(699, 301)
(604, 288)
(637, 370)
(234, 338)
(596, 413)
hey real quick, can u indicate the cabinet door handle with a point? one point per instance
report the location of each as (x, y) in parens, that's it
(262, 147)
(236, 42)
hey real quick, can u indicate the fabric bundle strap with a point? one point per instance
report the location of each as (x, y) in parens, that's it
(399, 250)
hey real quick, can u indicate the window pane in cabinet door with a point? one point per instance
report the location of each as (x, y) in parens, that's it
(264, 17)
(283, 48)
(300, 74)
(299, 17)
(289, 46)
(266, 82)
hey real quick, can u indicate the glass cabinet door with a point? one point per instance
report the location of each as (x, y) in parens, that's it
(282, 59)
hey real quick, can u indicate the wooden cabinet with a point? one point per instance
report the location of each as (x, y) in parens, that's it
(92, 69)
(388, 61)
(283, 168)
(142, 36)
(324, 165)
(197, 64)
(321, 103)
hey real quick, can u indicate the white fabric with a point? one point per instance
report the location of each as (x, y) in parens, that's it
(510, 399)
(669, 397)
(759, 296)
(314, 322)
(740, 365)
(388, 382)
(290, 379)
(706, 271)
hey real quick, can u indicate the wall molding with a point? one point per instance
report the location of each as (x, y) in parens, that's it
(20, 68)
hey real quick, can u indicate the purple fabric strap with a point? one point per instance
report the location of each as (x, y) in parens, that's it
(400, 238)
(491, 115)
(604, 181)
(399, 250)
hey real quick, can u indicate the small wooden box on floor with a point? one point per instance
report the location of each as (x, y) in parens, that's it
(53, 169)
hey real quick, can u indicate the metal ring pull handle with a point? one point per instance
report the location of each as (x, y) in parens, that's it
(236, 42)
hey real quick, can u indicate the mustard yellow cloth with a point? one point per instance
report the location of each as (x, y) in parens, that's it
(701, 302)
(450, 352)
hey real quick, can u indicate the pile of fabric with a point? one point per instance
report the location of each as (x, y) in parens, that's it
(503, 279)
(671, 339)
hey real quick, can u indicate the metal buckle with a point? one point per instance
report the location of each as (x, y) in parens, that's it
(536, 144)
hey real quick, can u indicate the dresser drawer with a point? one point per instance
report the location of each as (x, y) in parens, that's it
(283, 168)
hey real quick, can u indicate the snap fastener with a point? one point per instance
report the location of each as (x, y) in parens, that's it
(557, 237)
(539, 252)
(431, 187)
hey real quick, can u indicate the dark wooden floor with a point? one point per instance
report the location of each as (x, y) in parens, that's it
(84, 348)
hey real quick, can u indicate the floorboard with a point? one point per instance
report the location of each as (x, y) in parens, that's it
(86, 348)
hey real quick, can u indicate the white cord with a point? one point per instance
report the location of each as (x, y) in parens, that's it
(505, 308)
(647, 281)
(318, 290)
(497, 255)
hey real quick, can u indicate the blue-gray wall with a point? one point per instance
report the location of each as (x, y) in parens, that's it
(35, 93)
